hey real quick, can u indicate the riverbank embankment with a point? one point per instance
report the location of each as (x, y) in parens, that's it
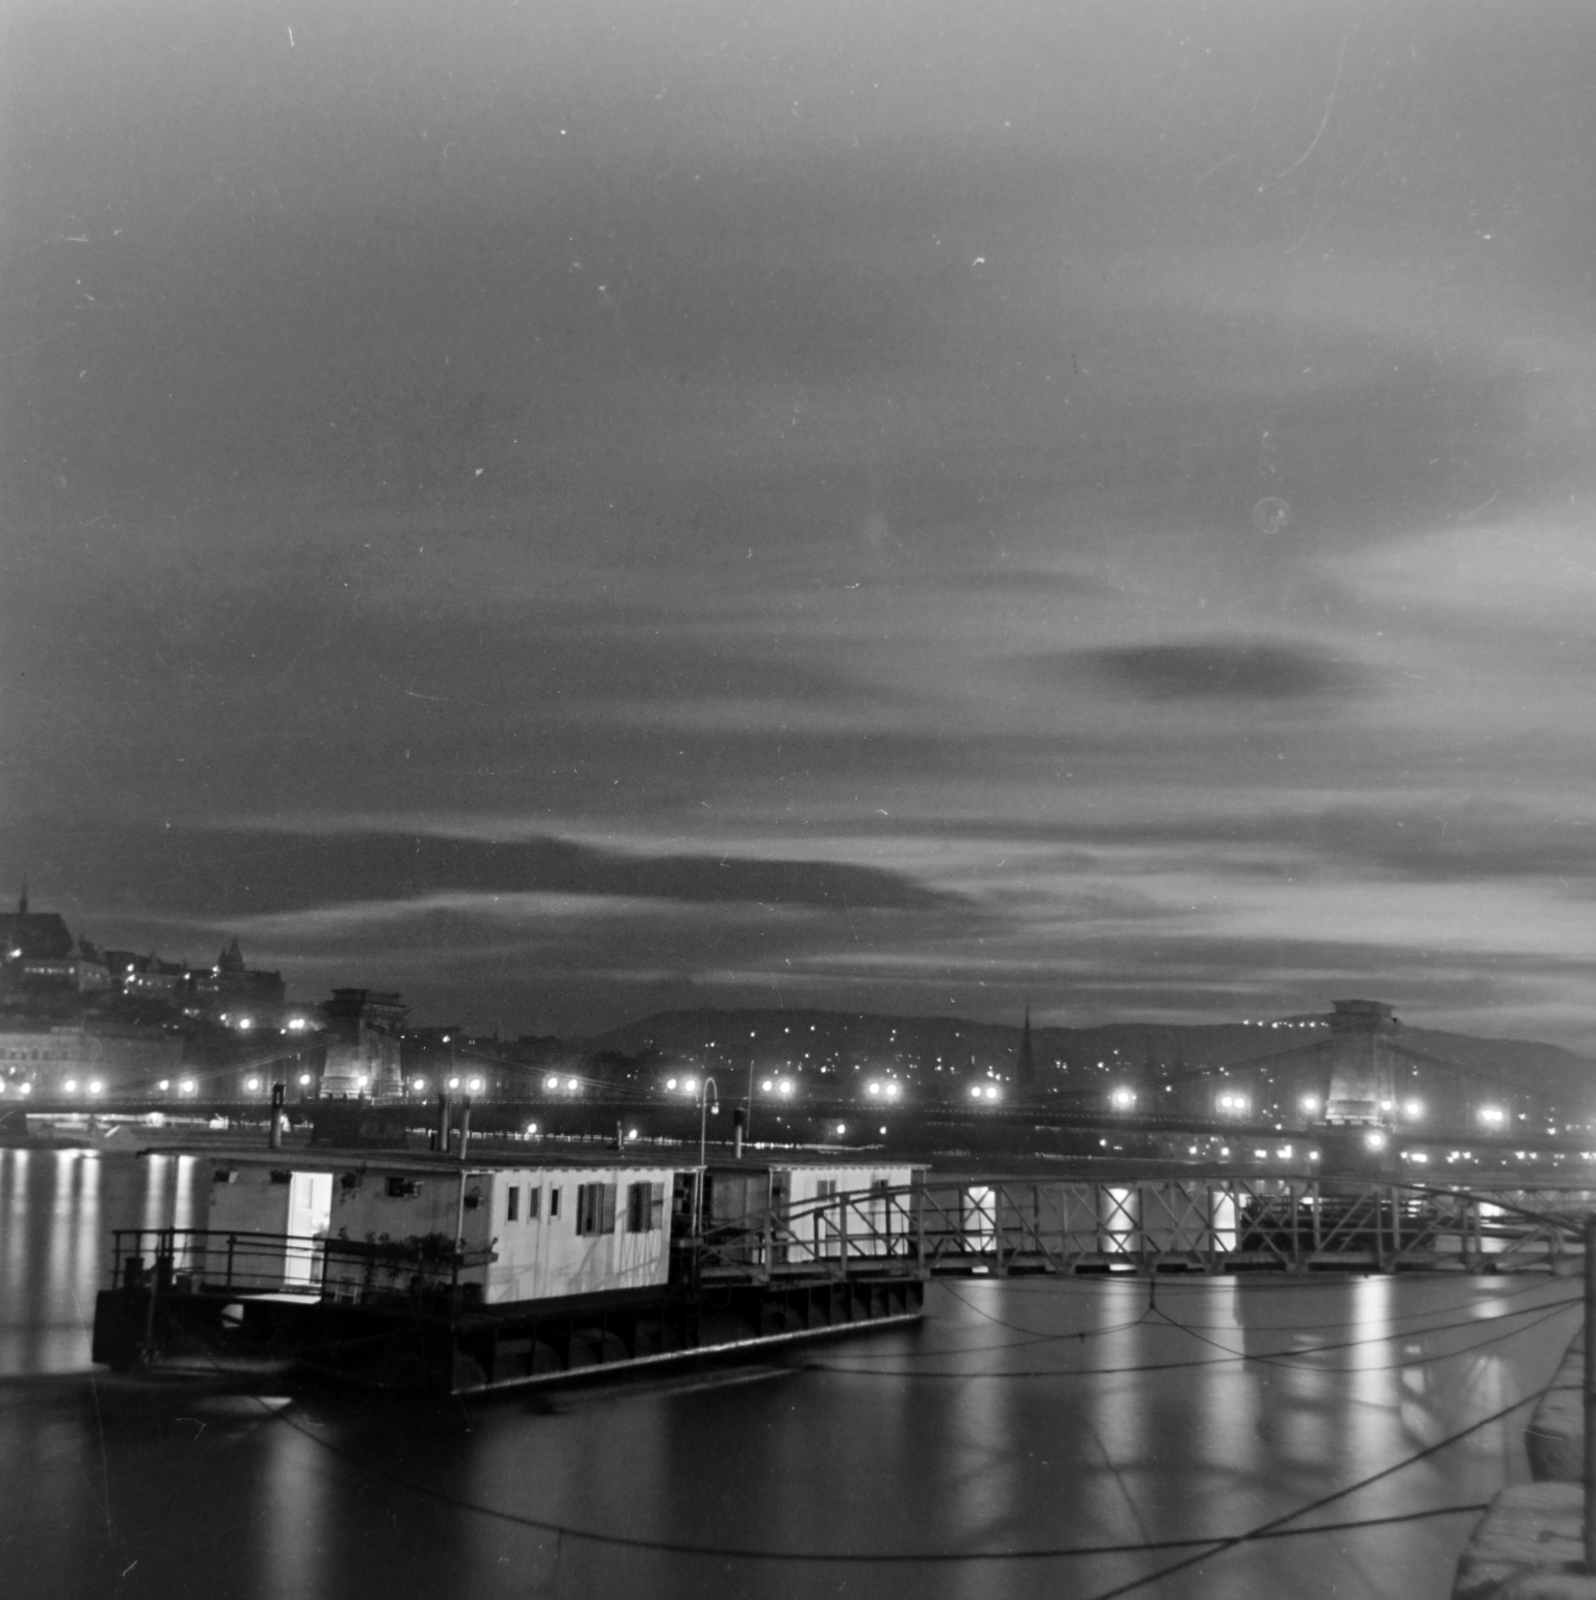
(1530, 1545)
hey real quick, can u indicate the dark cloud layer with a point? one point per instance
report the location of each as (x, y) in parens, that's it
(1229, 670)
(1447, 841)
(215, 874)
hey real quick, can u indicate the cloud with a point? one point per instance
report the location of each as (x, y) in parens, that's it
(1437, 839)
(1237, 669)
(217, 875)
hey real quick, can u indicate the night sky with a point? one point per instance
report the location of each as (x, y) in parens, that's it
(565, 510)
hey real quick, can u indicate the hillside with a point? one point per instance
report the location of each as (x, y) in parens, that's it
(797, 1038)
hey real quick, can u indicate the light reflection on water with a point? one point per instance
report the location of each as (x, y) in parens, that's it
(976, 1431)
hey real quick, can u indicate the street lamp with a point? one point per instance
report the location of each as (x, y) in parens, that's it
(706, 1090)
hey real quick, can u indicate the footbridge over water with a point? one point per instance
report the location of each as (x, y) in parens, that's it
(1000, 1226)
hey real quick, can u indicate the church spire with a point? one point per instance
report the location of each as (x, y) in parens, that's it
(1025, 1066)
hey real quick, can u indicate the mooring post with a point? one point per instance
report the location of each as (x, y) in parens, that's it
(1590, 1393)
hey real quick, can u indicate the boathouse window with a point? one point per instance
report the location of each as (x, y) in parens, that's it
(403, 1188)
(595, 1208)
(554, 1204)
(645, 1207)
(533, 1195)
(513, 1210)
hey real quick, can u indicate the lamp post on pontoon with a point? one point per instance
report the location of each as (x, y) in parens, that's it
(705, 1090)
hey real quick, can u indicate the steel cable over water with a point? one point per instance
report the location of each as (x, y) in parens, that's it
(1036, 1336)
(1168, 1366)
(1205, 1547)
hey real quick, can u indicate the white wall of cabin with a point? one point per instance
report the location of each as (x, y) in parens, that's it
(537, 1258)
(543, 1257)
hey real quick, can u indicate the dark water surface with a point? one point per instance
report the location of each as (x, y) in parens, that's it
(1022, 1417)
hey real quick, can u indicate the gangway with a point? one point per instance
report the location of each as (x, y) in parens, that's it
(1002, 1226)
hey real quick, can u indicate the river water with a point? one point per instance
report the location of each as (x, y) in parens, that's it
(1023, 1423)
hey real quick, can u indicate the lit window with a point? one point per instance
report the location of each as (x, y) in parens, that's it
(645, 1207)
(595, 1208)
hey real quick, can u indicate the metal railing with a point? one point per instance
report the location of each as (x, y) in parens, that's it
(989, 1226)
(276, 1263)
(999, 1225)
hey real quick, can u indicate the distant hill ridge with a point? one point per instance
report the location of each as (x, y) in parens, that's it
(874, 1038)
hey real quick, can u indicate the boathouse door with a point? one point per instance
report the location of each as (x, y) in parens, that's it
(309, 1215)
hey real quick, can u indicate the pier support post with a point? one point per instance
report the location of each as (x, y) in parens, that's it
(1590, 1394)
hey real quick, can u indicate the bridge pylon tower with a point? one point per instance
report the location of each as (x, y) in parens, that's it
(1362, 1087)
